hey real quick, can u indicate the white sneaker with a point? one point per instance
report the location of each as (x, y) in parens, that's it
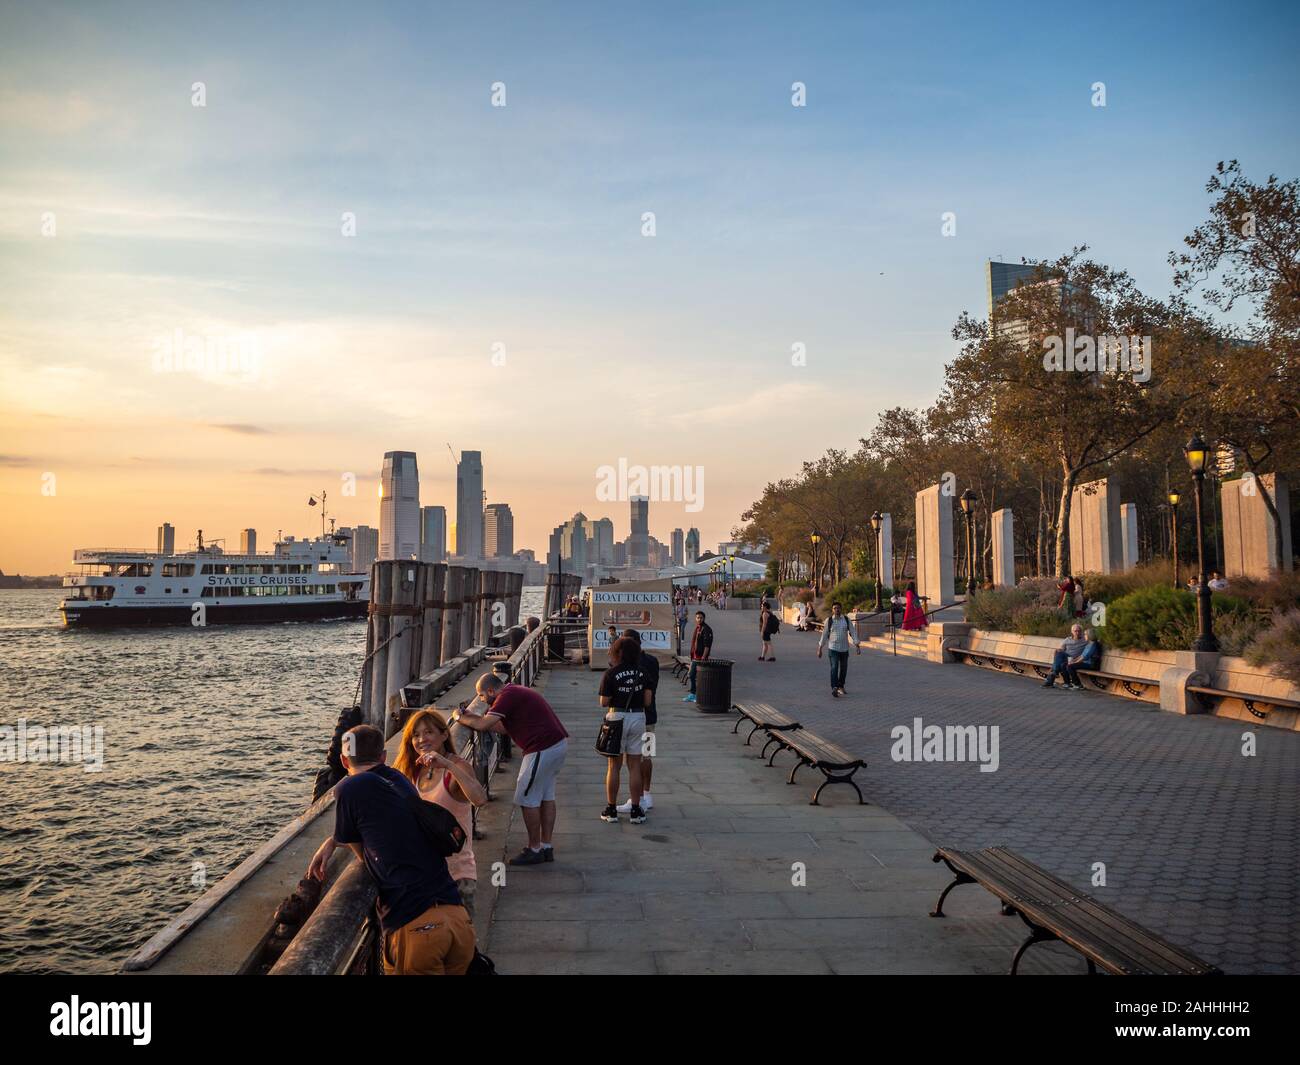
(646, 803)
(625, 807)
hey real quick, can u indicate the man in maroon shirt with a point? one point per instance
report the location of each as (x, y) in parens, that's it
(701, 646)
(527, 718)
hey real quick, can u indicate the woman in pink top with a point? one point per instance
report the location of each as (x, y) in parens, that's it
(428, 759)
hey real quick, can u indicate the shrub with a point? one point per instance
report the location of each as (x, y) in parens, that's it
(1107, 587)
(1042, 589)
(1164, 618)
(1278, 647)
(1037, 620)
(992, 609)
(1279, 592)
(855, 592)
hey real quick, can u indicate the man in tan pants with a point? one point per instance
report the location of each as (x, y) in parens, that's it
(426, 929)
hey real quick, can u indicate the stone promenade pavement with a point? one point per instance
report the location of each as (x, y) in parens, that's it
(733, 872)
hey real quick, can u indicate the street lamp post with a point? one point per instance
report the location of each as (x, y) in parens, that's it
(816, 538)
(876, 522)
(1196, 453)
(1174, 497)
(968, 508)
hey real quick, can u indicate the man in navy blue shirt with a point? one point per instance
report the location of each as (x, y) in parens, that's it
(426, 929)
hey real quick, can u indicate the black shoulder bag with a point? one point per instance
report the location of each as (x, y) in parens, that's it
(439, 826)
(609, 740)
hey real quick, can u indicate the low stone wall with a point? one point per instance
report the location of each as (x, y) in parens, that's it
(1160, 677)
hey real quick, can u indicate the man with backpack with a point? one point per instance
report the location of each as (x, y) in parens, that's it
(836, 637)
(427, 932)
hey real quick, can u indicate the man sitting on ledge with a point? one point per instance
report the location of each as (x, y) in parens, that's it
(1071, 647)
(1089, 658)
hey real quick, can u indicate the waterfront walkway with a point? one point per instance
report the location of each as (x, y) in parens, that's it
(1198, 841)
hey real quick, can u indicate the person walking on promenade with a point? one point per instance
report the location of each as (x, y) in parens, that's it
(426, 931)
(1070, 650)
(680, 611)
(527, 718)
(768, 627)
(650, 667)
(625, 693)
(428, 759)
(701, 645)
(913, 613)
(836, 637)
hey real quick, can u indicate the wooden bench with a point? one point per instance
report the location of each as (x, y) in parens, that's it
(1249, 698)
(836, 765)
(1055, 910)
(766, 717)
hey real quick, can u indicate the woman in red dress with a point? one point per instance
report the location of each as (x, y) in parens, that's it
(913, 614)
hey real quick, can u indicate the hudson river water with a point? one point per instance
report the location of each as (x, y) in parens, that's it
(212, 738)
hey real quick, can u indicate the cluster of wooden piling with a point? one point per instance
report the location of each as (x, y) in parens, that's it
(423, 614)
(559, 586)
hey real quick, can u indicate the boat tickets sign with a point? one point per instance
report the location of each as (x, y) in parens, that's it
(646, 606)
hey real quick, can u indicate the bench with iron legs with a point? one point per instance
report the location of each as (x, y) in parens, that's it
(834, 763)
(1135, 686)
(1250, 699)
(765, 717)
(1055, 911)
(681, 668)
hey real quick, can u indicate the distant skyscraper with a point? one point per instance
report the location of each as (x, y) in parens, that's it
(574, 544)
(638, 542)
(433, 534)
(692, 546)
(469, 505)
(498, 531)
(1001, 278)
(248, 542)
(678, 547)
(399, 506)
(365, 548)
(555, 549)
(166, 539)
(602, 532)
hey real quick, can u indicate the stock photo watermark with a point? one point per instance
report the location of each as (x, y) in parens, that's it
(65, 744)
(658, 484)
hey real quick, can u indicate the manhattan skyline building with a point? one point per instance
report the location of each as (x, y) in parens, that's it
(692, 546)
(469, 505)
(678, 547)
(433, 534)
(602, 534)
(365, 548)
(166, 539)
(638, 541)
(498, 531)
(399, 506)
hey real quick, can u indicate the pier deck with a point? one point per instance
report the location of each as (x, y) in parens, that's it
(1199, 842)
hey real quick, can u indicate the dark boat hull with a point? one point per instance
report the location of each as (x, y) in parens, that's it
(111, 617)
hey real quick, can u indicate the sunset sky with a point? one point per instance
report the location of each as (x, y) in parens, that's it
(130, 217)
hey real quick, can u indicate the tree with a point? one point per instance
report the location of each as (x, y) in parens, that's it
(1249, 251)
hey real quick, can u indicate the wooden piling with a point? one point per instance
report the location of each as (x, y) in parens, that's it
(431, 637)
(380, 592)
(469, 611)
(401, 631)
(451, 630)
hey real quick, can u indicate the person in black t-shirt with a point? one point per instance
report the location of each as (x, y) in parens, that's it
(625, 695)
(426, 929)
(649, 665)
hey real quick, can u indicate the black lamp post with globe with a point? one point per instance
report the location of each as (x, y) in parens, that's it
(1197, 453)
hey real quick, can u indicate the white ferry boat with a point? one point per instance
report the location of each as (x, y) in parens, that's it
(299, 580)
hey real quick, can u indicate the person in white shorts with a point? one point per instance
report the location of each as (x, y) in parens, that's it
(527, 718)
(625, 693)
